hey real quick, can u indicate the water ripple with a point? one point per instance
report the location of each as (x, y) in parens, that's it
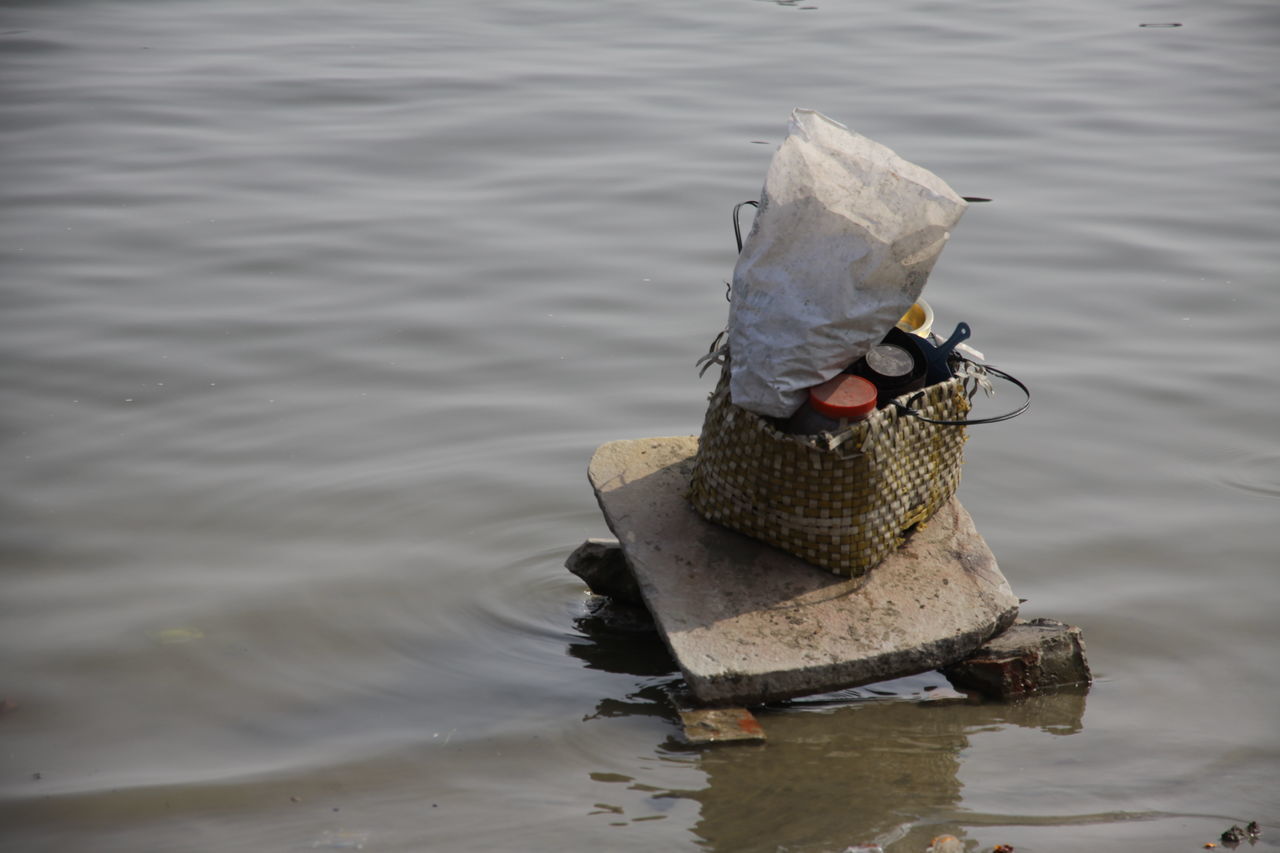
(1252, 473)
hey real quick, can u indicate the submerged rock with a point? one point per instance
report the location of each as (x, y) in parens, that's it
(603, 568)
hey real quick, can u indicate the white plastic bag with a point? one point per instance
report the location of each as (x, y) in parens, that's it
(843, 241)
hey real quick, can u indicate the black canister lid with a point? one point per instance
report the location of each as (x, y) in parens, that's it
(891, 361)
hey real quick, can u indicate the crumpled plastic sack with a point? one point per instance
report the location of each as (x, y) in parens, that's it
(843, 241)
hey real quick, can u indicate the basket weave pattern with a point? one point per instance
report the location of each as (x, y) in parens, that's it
(844, 509)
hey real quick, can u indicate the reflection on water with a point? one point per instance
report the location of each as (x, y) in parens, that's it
(619, 638)
(877, 772)
(1252, 473)
(880, 769)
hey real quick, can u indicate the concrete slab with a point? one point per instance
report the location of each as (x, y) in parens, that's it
(748, 623)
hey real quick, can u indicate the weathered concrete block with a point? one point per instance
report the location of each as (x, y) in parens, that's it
(603, 567)
(749, 624)
(1031, 656)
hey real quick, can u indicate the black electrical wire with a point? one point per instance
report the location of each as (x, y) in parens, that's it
(905, 408)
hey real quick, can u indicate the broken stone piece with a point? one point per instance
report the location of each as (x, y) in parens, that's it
(602, 565)
(611, 615)
(1030, 657)
(702, 726)
(718, 725)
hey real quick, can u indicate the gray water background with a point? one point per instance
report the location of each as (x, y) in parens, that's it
(313, 314)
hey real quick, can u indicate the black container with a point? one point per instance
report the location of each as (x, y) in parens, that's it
(896, 366)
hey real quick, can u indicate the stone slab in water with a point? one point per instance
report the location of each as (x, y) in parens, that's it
(1030, 657)
(748, 623)
(603, 567)
(720, 725)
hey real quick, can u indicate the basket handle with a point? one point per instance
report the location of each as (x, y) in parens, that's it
(737, 229)
(905, 408)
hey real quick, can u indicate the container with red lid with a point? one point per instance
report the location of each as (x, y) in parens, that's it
(833, 405)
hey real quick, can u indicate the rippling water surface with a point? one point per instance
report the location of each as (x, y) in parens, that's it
(314, 312)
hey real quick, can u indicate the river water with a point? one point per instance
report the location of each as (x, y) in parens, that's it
(313, 314)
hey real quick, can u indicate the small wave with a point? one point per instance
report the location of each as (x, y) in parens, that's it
(1252, 473)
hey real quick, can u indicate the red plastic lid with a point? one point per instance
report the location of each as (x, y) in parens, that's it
(844, 396)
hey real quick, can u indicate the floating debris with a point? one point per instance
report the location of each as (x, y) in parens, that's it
(945, 844)
(175, 636)
(341, 839)
(1236, 834)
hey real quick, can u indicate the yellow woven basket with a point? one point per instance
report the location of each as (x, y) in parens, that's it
(843, 503)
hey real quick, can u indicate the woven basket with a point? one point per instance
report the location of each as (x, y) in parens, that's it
(843, 502)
